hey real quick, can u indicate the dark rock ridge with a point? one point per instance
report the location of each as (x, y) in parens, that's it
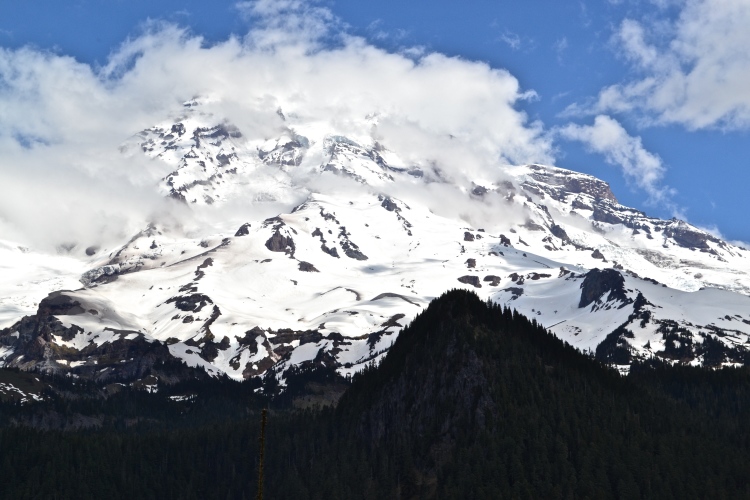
(289, 153)
(332, 251)
(390, 205)
(307, 267)
(515, 291)
(350, 248)
(281, 243)
(689, 237)
(559, 232)
(190, 303)
(492, 279)
(597, 282)
(244, 230)
(570, 182)
(60, 303)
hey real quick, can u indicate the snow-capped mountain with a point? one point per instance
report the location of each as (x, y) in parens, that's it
(321, 244)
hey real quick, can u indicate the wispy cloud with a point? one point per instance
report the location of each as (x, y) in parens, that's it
(606, 136)
(560, 46)
(692, 71)
(511, 39)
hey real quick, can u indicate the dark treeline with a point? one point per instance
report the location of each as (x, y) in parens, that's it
(472, 401)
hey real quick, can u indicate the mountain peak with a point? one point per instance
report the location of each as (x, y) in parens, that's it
(300, 245)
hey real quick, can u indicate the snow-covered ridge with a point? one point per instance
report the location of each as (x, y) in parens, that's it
(331, 280)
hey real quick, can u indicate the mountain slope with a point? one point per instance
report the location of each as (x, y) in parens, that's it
(310, 247)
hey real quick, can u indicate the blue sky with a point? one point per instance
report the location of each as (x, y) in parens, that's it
(650, 95)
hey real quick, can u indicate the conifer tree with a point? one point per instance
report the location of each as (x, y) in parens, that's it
(262, 450)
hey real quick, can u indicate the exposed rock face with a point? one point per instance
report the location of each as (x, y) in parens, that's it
(389, 205)
(492, 279)
(600, 281)
(471, 280)
(307, 267)
(100, 274)
(603, 214)
(572, 182)
(559, 232)
(350, 248)
(244, 230)
(286, 153)
(280, 243)
(479, 191)
(59, 303)
(688, 237)
(332, 251)
(191, 303)
(577, 204)
(538, 276)
(128, 355)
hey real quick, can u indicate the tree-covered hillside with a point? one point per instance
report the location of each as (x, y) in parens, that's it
(472, 401)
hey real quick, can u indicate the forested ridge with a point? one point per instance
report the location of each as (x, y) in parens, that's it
(472, 401)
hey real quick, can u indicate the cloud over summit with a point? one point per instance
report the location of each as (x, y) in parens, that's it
(62, 121)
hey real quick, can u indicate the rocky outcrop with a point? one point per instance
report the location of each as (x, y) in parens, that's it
(570, 182)
(596, 254)
(389, 205)
(103, 274)
(559, 232)
(190, 303)
(471, 280)
(281, 243)
(597, 282)
(307, 267)
(244, 230)
(492, 279)
(41, 343)
(286, 153)
(687, 236)
(605, 214)
(350, 248)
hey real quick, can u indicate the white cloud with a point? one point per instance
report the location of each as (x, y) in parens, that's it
(62, 121)
(511, 39)
(608, 138)
(694, 72)
(560, 46)
(288, 23)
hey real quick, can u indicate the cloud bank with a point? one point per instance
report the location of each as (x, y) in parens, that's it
(693, 71)
(62, 121)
